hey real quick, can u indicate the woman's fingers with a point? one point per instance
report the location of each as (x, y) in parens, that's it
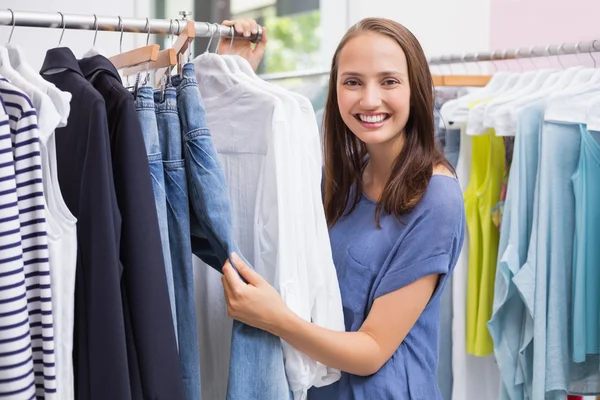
(250, 275)
(239, 26)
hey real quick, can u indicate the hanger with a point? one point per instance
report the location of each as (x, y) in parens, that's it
(134, 57)
(590, 53)
(464, 80)
(14, 22)
(461, 80)
(242, 64)
(166, 58)
(93, 51)
(181, 45)
(64, 25)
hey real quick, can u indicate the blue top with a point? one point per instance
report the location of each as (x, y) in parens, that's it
(372, 262)
(586, 252)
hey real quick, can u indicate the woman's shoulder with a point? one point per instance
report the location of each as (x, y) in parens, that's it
(443, 198)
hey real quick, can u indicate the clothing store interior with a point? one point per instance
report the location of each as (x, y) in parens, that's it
(153, 236)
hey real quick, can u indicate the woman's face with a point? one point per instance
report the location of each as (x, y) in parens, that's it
(373, 91)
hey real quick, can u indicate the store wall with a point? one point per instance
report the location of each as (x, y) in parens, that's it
(441, 26)
(36, 41)
(521, 23)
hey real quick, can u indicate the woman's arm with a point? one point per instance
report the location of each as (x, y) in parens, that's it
(360, 353)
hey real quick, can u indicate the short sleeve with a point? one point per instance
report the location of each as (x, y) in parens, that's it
(432, 242)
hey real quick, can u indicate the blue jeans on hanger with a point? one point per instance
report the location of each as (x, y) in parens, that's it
(256, 369)
(144, 105)
(178, 217)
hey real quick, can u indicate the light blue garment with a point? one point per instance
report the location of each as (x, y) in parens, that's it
(553, 371)
(256, 369)
(445, 378)
(586, 254)
(178, 215)
(508, 312)
(144, 105)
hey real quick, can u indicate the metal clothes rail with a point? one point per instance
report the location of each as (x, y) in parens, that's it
(112, 23)
(497, 55)
(523, 52)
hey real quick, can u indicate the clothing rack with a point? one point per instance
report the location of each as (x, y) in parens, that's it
(522, 52)
(497, 55)
(115, 24)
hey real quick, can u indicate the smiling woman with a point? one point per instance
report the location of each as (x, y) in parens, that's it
(396, 221)
(381, 90)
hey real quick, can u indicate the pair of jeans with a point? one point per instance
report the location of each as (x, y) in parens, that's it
(178, 217)
(144, 105)
(256, 369)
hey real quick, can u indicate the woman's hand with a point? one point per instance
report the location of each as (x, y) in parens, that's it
(255, 303)
(243, 47)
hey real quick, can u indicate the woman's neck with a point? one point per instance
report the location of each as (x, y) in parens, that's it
(379, 167)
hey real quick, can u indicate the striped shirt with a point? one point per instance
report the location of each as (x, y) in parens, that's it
(16, 361)
(30, 196)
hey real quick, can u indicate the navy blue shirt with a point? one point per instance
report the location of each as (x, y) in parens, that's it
(152, 348)
(85, 175)
(373, 262)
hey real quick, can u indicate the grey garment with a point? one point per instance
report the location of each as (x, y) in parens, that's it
(445, 377)
(452, 148)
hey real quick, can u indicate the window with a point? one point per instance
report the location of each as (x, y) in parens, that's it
(294, 40)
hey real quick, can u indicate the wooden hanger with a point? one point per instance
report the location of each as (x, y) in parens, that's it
(137, 56)
(166, 58)
(461, 80)
(180, 47)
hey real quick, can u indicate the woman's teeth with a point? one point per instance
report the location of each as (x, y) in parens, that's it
(372, 118)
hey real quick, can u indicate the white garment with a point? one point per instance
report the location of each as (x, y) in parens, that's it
(52, 106)
(476, 114)
(263, 153)
(457, 110)
(312, 291)
(60, 99)
(474, 378)
(62, 245)
(246, 146)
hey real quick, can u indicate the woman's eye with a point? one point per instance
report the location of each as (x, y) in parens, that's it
(389, 82)
(351, 82)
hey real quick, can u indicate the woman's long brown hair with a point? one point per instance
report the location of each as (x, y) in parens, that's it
(345, 153)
